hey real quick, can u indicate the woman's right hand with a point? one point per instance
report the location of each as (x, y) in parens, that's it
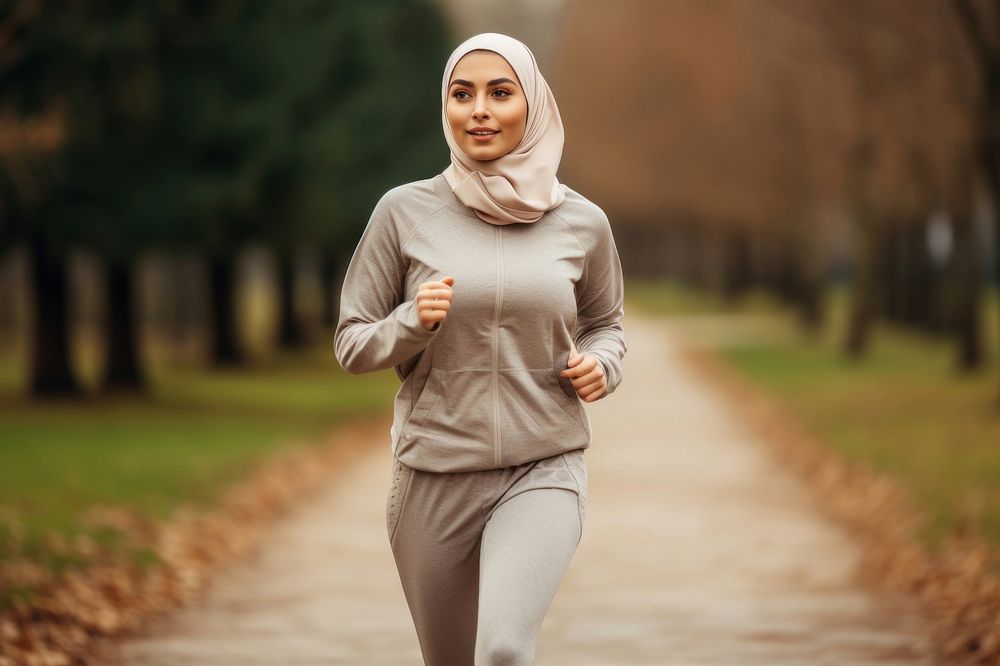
(433, 302)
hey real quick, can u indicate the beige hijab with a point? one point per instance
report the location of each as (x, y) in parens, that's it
(521, 185)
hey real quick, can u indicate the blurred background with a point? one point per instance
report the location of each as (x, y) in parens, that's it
(805, 187)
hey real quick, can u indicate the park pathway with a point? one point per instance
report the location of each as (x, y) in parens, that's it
(698, 549)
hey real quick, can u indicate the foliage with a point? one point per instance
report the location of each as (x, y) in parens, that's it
(210, 125)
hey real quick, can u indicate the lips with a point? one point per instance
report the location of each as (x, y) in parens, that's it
(483, 131)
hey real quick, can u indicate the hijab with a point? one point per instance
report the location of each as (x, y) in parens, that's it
(521, 185)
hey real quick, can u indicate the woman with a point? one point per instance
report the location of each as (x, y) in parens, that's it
(479, 286)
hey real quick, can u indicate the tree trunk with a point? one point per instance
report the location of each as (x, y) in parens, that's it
(222, 276)
(989, 157)
(996, 254)
(51, 373)
(991, 160)
(736, 268)
(864, 298)
(811, 305)
(924, 298)
(809, 294)
(801, 275)
(967, 290)
(124, 366)
(290, 335)
(895, 271)
(987, 52)
(193, 308)
(784, 274)
(8, 300)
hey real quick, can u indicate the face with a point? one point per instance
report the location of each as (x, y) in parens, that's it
(484, 94)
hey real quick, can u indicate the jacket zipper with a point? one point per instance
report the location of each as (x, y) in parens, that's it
(496, 349)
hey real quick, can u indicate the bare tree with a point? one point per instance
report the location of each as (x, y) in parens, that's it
(981, 23)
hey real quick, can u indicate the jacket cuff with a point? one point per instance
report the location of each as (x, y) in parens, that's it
(611, 378)
(410, 318)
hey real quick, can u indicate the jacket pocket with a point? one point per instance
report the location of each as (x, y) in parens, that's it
(426, 401)
(536, 407)
(455, 407)
(566, 398)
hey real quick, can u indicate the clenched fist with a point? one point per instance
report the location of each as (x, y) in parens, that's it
(587, 375)
(433, 302)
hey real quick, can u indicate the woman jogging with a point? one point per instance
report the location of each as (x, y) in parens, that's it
(496, 293)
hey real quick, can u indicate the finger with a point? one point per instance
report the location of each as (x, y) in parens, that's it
(596, 395)
(432, 306)
(569, 372)
(432, 286)
(587, 386)
(434, 315)
(442, 294)
(596, 372)
(583, 367)
(593, 387)
(593, 377)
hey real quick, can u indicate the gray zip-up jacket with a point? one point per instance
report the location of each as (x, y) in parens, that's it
(482, 390)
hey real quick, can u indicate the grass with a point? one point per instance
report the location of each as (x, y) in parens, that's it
(903, 410)
(671, 298)
(198, 432)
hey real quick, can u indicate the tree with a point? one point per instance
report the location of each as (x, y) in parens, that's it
(40, 85)
(984, 43)
(366, 117)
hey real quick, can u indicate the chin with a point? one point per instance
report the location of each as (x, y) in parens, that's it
(484, 155)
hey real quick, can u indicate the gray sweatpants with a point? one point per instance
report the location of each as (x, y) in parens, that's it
(480, 554)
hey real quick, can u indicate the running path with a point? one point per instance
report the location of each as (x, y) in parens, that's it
(697, 550)
(700, 549)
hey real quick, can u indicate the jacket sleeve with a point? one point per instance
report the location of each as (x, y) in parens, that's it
(376, 328)
(600, 295)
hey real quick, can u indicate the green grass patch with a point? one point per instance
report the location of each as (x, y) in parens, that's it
(672, 298)
(197, 433)
(903, 410)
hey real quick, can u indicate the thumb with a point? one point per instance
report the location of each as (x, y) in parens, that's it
(574, 359)
(450, 281)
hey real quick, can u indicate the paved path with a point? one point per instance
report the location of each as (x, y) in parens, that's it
(697, 550)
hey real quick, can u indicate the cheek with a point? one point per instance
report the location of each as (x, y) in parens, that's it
(455, 117)
(516, 120)
(516, 117)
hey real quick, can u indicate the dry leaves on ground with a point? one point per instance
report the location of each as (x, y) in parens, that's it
(115, 594)
(960, 595)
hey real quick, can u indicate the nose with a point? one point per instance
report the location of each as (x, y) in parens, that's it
(480, 108)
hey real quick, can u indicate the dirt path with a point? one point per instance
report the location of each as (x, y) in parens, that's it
(697, 550)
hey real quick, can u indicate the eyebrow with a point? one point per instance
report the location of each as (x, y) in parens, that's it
(470, 84)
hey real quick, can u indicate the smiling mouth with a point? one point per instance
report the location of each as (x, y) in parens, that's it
(484, 133)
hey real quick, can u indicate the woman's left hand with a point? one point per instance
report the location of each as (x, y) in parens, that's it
(587, 376)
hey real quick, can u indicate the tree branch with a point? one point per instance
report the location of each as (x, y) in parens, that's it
(971, 21)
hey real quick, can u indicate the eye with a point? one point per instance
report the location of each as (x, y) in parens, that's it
(501, 90)
(460, 92)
